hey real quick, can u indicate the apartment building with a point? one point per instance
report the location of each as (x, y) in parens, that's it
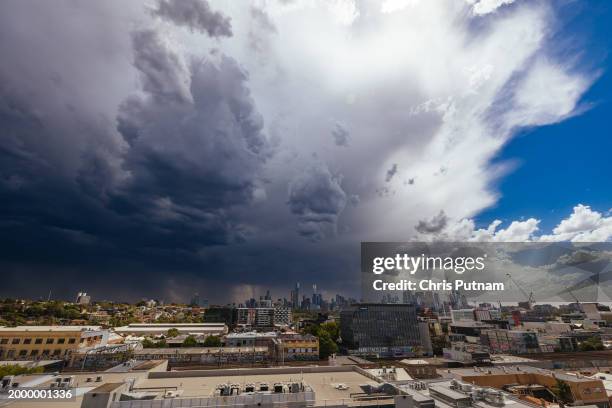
(467, 353)
(264, 317)
(510, 341)
(460, 315)
(283, 315)
(299, 347)
(206, 355)
(40, 342)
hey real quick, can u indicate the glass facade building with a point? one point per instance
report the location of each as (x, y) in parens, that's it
(382, 329)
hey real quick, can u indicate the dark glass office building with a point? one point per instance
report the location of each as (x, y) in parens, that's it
(387, 330)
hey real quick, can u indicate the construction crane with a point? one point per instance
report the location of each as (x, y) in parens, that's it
(576, 299)
(530, 299)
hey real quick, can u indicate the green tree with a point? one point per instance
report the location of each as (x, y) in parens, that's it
(14, 369)
(332, 328)
(327, 346)
(591, 344)
(173, 332)
(563, 392)
(313, 329)
(438, 343)
(148, 343)
(190, 341)
(212, 341)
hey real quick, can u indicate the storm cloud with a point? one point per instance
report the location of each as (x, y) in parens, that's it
(317, 198)
(341, 135)
(179, 146)
(433, 225)
(195, 15)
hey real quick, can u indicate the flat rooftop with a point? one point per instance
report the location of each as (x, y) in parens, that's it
(47, 328)
(202, 384)
(201, 350)
(157, 325)
(519, 369)
(444, 385)
(29, 363)
(510, 359)
(510, 402)
(321, 383)
(249, 335)
(164, 329)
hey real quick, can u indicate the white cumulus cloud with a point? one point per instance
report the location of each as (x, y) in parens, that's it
(582, 225)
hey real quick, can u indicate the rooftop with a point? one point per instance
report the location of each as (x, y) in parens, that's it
(323, 384)
(158, 325)
(201, 350)
(108, 387)
(161, 328)
(414, 361)
(29, 363)
(248, 335)
(519, 369)
(48, 328)
(444, 387)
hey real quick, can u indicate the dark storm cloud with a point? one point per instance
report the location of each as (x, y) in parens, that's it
(341, 135)
(391, 173)
(195, 15)
(196, 141)
(433, 225)
(85, 191)
(164, 74)
(317, 198)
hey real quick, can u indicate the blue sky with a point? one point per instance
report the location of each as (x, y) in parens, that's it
(561, 165)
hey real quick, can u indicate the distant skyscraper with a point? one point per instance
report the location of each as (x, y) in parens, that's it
(195, 300)
(83, 299)
(295, 296)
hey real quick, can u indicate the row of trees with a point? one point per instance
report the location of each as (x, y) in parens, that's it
(592, 344)
(13, 313)
(14, 369)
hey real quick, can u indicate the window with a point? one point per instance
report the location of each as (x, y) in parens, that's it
(38, 341)
(61, 341)
(49, 341)
(71, 341)
(46, 352)
(23, 353)
(3, 341)
(15, 341)
(27, 341)
(57, 352)
(34, 353)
